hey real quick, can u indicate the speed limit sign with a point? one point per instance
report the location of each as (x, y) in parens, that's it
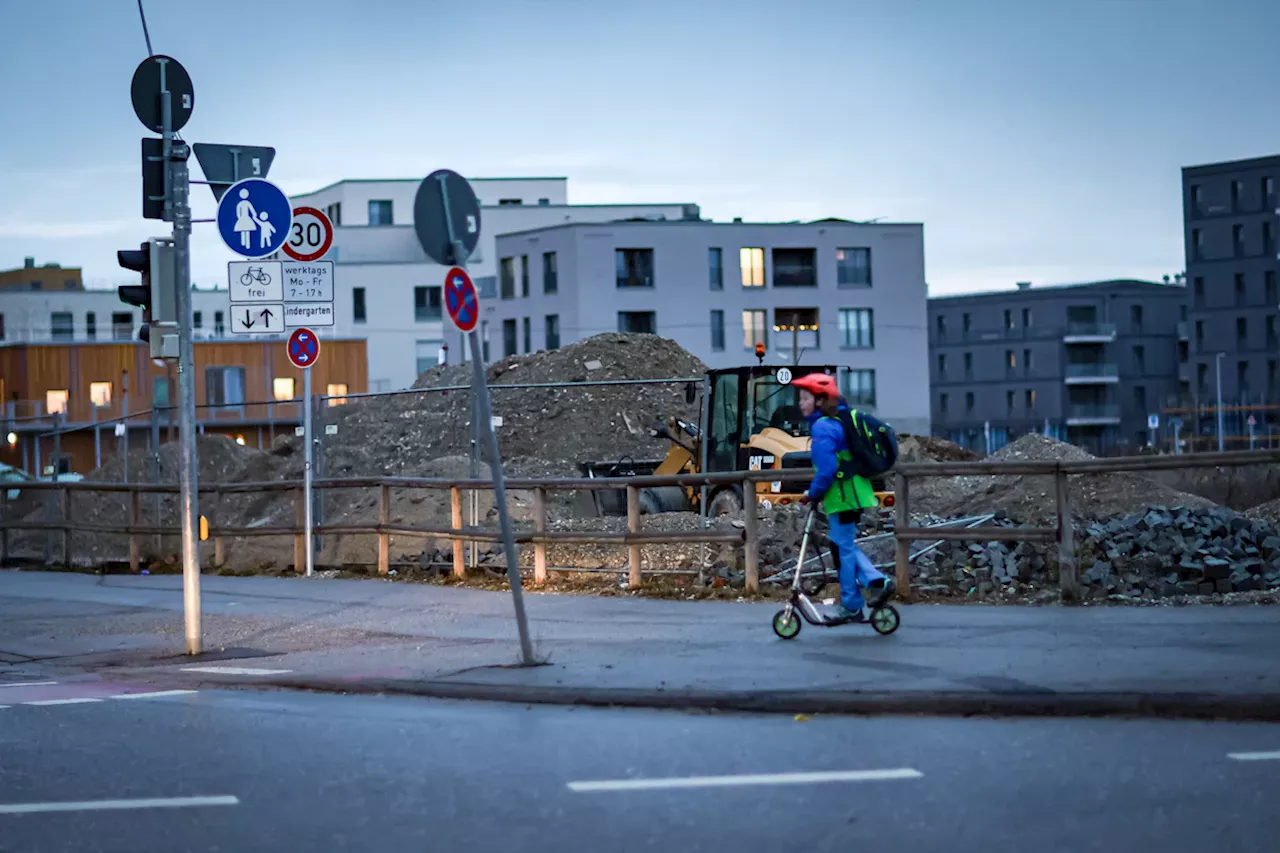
(311, 235)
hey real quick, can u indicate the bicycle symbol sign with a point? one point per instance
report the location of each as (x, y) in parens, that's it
(461, 299)
(304, 348)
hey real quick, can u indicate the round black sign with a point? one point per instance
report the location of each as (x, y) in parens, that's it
(157, 74)
(429, 217)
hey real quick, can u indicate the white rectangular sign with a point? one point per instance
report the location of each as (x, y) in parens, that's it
(308, 314)
(255, 281)
(257, 319)
(308, 282)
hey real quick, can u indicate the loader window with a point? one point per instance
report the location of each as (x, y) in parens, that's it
(777, 406)
(723, 450)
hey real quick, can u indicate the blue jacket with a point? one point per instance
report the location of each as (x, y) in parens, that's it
(827, 439)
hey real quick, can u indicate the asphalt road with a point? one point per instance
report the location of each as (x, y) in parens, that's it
(299, 771)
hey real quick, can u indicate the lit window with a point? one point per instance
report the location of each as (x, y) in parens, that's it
(100, 394)
(335, 391)
(282, 388)
(55, 402)
(753, 328)
(752, 261)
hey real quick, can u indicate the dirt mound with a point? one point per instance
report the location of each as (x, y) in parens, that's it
(1030, 499)
(1268, 512)
(926, 448)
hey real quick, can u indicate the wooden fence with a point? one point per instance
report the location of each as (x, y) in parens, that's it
(635, 538)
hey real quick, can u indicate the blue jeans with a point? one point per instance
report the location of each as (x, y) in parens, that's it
(855, 566)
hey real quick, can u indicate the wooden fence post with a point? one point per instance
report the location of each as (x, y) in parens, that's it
(459, 555)
(384, 538)
(1068, 579)
(540, 527)
(751, 547)
(633, 526)
(64, 499)
(219, 552)
(902, 547)
(135, 516)
(299, 535)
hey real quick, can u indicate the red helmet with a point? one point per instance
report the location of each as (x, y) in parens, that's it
(818, 384)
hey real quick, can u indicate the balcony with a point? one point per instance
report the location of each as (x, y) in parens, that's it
(1093, 414)
(1092, 374)
(1089, 333)
(1183, 332)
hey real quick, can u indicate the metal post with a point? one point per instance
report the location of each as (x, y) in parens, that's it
(474, 497)
(176, 204)
(122, 445)
(1068, 578)
(308, 520)
(97, 446)
(155, 475)
(704, 454)
(1218, 371)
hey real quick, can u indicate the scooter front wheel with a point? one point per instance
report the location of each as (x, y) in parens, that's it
(885, 619)
(786, 623)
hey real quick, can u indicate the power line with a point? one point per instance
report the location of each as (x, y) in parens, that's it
(145, 33)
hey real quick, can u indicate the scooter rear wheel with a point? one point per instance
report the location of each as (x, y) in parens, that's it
(785, 625)
(885, 619)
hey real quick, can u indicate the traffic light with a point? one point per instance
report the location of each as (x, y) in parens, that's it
(157, 296)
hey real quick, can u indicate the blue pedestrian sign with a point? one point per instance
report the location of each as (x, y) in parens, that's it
(254, 217)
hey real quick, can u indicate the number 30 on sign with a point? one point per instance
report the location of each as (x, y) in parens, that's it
(311, 235)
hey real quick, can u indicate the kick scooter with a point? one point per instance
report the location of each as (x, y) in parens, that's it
(786, 622)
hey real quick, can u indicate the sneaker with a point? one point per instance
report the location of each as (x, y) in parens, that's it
(881, 591)
(839, 613)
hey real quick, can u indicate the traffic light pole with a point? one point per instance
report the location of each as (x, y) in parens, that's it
(178, 211)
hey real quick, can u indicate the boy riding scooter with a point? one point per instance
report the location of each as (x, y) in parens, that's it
(840, 483)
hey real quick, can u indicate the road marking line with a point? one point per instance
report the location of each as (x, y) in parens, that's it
(235, 670)
(156, 695)
(77, 701)
(748, 779)
(30, 684)
(104, 805)
(1255, 756)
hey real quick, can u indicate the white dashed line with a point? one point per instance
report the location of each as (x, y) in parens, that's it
(235, 670)
(156, 695)
(1255, 756)
(30, 684)
(748, 779)
(108, 805)
(77, 701)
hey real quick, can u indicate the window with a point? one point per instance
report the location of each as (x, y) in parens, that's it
(1271, 331)
(1008, 319)
(359, 314)
(1268, 190)
(282, 389)
(1182, 313)
(1241, 296)
(1026, 318)
(90, 326)
(1, 327)
(717, 330)
(1140, 397)
(942, 403)
(122, 325)
(550, 273)
(941, 323)
(1009, 397)
(100, 394)
(509, 342)
(715, 268)
(800, 327)
(484, 341)
(197, 319)
(426, 354)
(968, 365)
(426, 304)
(380, 212)
(1140, 359)
(1237, 240)
(752, 263)
(1271, 374)
(1010, 361)
(753, 329)
(507, 278)
(1135, 317)
(1195, 198)
(1268, 285)
(1242, 329)
(69, 284)
(1197, 245)
(857, 328)
(1026, 361)
(510, 202)
(62, 325)
(853, 267)
(637, 322)
(966, 323)
(1235, 195)
(859, 387)
(56, 402)
(1030, 398)
(942, 366)
(37, 285)
(1242, 377)
(544, 202)
(336, 392)
(968, 401)
(334, 212)
(1197, 289)
(527, 323)
(220, 329)
(633, 267)
(553, 331)
(224, 386)
(1202, 377)
(1268, 238)
(524, 276)
(1199, 334)
(795, 268)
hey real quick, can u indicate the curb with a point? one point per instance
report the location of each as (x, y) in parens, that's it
(1201, 706)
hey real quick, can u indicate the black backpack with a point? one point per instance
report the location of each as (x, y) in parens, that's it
(872, 443)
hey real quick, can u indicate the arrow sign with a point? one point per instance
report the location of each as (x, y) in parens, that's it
(303, 348)
(258, 320)
(266, 315)
(248, 320)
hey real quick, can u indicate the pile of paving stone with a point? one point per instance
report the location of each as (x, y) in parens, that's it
(1157, 553)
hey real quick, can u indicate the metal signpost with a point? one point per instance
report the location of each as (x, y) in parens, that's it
(1252, 423)
(304, 351)
(446, 217)
(1153, 424)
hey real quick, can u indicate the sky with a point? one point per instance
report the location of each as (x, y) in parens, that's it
(1037, 140)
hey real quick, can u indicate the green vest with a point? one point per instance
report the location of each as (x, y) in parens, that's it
(850, 491)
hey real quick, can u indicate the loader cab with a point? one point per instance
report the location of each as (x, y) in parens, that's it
(754, 418)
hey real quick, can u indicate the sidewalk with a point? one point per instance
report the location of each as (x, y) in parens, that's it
(375, 636)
